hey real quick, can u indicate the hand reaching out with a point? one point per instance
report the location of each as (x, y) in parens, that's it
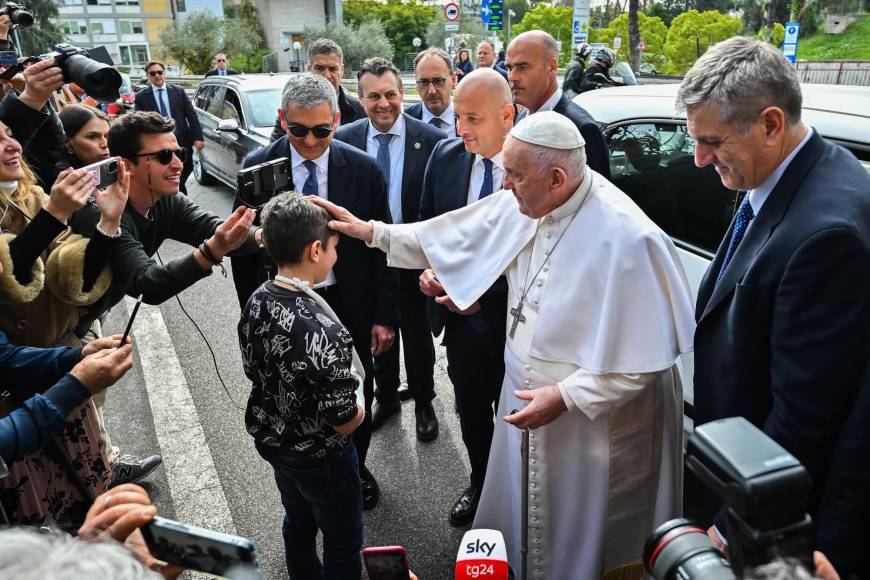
(345, 222)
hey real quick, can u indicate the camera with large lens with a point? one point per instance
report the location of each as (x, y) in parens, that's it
(17, 14)
(98, 79)
(766, 492)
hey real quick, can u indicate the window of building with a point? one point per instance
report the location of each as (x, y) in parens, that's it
(654, 164)
(103, 26)
(181, 5)
(99, 2)
(69, 2)
(127, 2)
(131, 26)
(286, 38)
(133, 55)
(73, 27)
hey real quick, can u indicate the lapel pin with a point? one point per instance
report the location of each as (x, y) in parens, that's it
(417, 145)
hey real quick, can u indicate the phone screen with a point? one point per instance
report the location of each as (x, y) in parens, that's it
(190, 547)
(386, 565)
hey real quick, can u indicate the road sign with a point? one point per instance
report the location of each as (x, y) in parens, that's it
(617, 42)
(580, 29)
(451, 26)
(452, 12)
(790, 41)
(496, 14)
(484, 11)
(641, 46)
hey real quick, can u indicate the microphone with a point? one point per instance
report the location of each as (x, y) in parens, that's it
(482, 555)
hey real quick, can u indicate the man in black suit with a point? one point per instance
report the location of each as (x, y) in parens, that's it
(325, 58)
(401, 145)
(435, 81)
(360, 288)
(532, 60)
(221, 67)
(172, 102)
(784, 309)
(460, 172)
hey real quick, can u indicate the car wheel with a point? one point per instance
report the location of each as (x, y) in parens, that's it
(199, 173)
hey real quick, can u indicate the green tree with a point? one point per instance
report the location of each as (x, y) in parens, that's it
(193, 41)
(553, 19)
(667, 10)
(692, 32)
(402, 20)
(44, 34)
(357, 42)
(652, 30)
(470, 32)
(773, 34)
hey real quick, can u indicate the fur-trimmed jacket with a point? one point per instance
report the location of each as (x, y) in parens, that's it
(41, 300)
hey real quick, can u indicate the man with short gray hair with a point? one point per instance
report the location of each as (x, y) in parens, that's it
(784, 307)
(360, 288)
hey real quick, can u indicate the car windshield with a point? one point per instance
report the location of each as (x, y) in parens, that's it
(264, 106)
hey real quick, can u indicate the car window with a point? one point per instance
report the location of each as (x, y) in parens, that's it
(216, 105)
(654, 164)
(263, 106)
(203, 96)
(232, 108)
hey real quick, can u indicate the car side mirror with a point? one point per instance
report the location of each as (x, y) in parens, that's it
(228, 125)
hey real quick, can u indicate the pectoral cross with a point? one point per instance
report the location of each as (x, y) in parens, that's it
(517, 314)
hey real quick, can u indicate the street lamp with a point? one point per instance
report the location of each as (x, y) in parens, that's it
(296, 46)
(511, 14)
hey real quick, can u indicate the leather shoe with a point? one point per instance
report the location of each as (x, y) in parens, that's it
(404, 392)
(427, 422)
(465, 507)
(371, 492)
(381, 412)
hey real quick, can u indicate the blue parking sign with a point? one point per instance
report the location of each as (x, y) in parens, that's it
(790, 41)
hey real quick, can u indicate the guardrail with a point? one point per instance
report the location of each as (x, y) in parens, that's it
(842, 72)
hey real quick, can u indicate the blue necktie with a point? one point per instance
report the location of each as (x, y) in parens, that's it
(487, 185)
(741, 223)
(160, 103)
(384, 155)
(437, 122)
(310, 186)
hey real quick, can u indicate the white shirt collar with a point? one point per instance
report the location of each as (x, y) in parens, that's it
(398, 127)
(496, 160)
(758, 195)
(550, 103)
(448, 116)
(155, 88)
(296, 160)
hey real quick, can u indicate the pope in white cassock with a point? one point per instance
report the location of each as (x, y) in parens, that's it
(599, 313)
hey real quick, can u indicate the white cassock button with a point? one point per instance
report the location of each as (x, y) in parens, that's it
(534, 496)
(533, 461)
(534, 474)
(536, 550)
(528, 368)
(534, 518)
(550, 219)
(549, 235)
(537, 301)
(540, 282)
(546, 268)
(534, 486)
(527, 382)
(547, 251)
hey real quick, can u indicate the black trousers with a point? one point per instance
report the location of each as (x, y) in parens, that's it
(362, 341)
(475, 364)
(414, 337)
(186, 171)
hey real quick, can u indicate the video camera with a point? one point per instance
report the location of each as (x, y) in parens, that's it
(96, 76)
(259, 183)
(17, 14)
(766, 492)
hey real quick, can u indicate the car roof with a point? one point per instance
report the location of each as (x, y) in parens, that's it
(252, 82)
(836, 111)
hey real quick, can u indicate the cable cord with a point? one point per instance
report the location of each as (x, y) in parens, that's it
(207, 344)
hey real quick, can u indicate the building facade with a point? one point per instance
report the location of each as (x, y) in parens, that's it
(284, 21)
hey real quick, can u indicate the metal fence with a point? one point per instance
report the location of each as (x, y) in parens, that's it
(842, 72)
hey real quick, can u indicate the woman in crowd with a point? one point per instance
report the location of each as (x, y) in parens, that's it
(86, 141)
(46, 275)
(464, 64)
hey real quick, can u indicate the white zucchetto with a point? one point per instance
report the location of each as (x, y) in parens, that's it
(548, 129)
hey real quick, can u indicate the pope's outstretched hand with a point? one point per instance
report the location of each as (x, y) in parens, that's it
(345, 222)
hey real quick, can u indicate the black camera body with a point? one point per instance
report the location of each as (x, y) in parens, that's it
(259, 183)
(17, 14)
(98, 78)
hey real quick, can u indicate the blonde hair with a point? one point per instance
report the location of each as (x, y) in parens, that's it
(26, 186)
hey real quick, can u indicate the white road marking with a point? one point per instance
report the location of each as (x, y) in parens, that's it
(196, 490)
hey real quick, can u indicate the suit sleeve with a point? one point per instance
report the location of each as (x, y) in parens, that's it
(139, 101)
(245, 268)
(385, 279)
(597, 154)
(192, 119)
(427, 200)
(819, 343)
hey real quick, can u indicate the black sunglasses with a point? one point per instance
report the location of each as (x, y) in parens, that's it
(155, 73)
(164, 156)
(319, 131)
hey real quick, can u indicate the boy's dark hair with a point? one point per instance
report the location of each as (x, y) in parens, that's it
(124, 134)
(290, 223)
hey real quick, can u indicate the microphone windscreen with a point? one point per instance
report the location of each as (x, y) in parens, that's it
(482, 556)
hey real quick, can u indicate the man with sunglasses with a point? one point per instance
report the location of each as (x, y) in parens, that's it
(435, 81)
(172, 102)
(220, 67)
(360, 288)
(402, 146)
(325, 58)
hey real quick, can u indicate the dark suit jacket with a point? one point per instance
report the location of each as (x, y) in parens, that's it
(366, 285)
(420, 140)
(597, 154)
(187, 128)
(783, 339)
(445, 189)
(213, 72)
(349, 106)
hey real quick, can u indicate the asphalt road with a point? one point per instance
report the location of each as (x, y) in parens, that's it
(172, 403)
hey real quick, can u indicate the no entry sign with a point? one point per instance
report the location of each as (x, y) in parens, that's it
(451, 12)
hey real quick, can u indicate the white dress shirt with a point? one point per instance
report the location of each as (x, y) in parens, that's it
(477, 171)
(759, 195)
(550, 103)
(300, 176)
(397, 163)
(164, 102)
(448, 116)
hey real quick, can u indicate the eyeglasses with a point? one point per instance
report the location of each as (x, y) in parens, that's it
(298, 130)
(155, 73)
(164, 156)
(437, 82)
